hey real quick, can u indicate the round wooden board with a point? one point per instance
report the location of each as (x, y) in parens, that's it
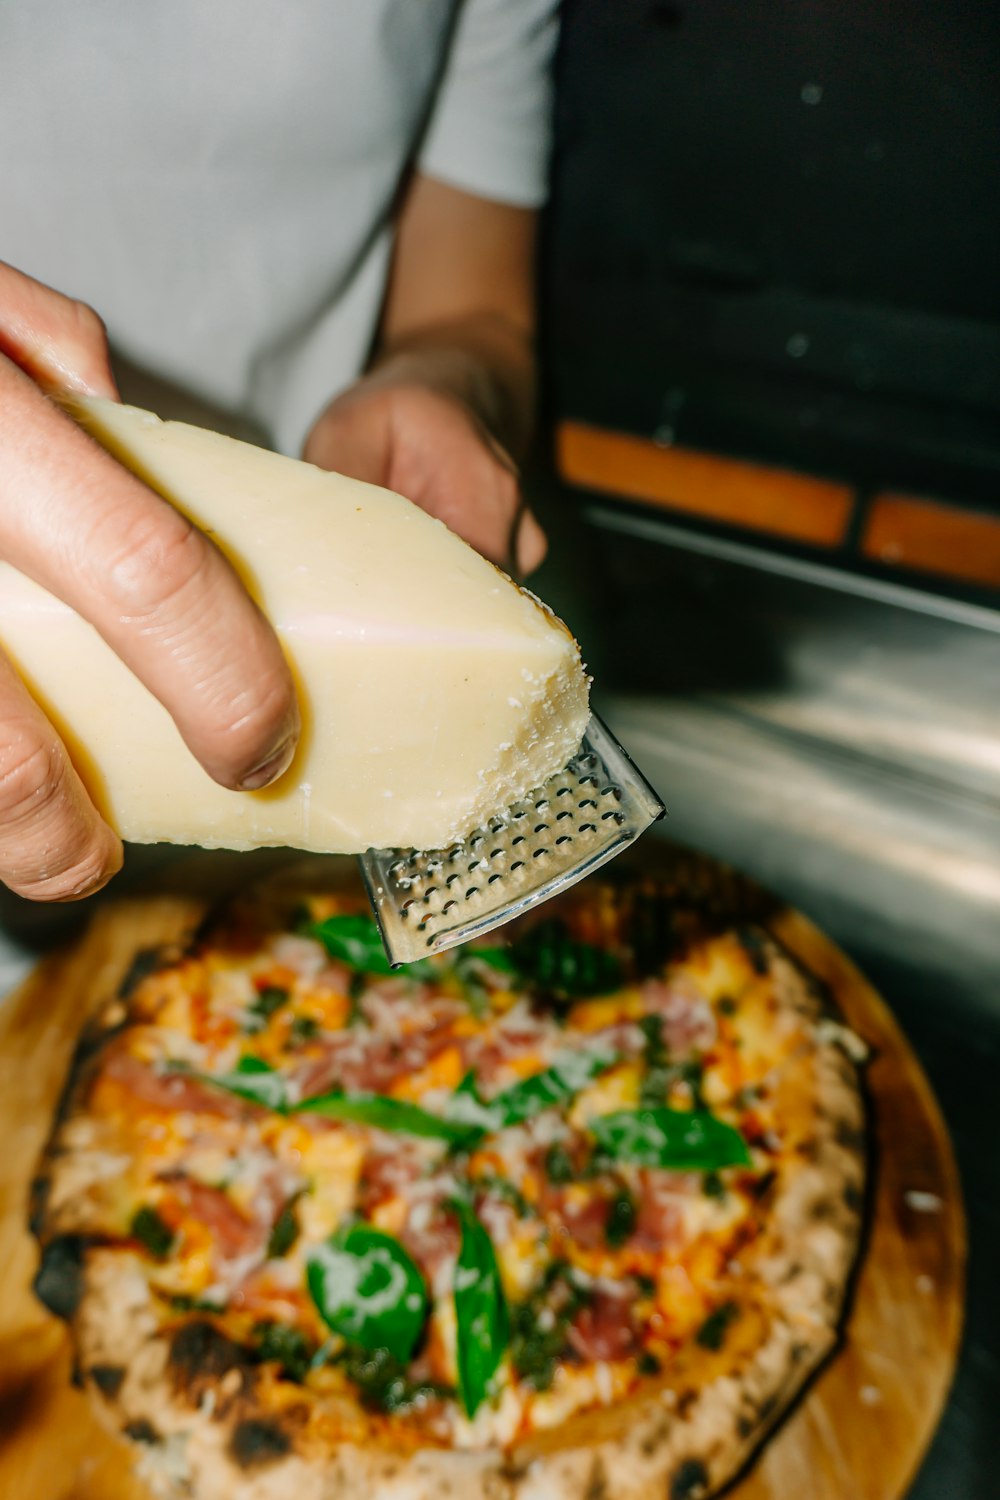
(858, 1433)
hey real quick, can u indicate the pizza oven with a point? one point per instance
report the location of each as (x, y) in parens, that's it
(773, 341)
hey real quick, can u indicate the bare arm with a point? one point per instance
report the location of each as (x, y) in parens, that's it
(445, 412)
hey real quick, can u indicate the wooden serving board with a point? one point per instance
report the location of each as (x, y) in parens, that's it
(858, 1433)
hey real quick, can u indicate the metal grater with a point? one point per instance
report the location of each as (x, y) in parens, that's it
(428, 900)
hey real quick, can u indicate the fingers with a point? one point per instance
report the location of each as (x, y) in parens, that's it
(53, 844)
(165, 600)
(61, 343)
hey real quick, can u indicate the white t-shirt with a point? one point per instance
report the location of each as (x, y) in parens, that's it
(216, 177)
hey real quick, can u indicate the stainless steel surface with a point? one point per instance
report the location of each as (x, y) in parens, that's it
(428, 901)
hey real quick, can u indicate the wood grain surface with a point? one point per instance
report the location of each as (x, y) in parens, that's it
(858, 1433)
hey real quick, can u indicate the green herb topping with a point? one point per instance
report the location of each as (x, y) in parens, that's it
(382, 1381)
(355, 940)
(684, 1140)
(152, 1233)
(367, 1289)
(284, 1345)
(302, 1029)
(263, 1007)
(712, 1333)
(539, 1325)
(560, 966)
(622, 1215)
(386, 1113)
(480, 1312)
(284, 1232)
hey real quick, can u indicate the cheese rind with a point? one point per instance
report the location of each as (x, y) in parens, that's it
(433, 690)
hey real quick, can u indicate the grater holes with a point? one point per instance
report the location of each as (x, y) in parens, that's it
(613, 813)
(564, 814)
(588, 827)
(494, 878)
(497, 853)
(448, 906)
(613, 791)
(539, 852)
(517, 865)
(564, 838)
(518, 839)
(541, 827)
(564, 791)
(452, 878)
(587, 802)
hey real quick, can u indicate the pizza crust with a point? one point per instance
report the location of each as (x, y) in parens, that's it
(215, 1435)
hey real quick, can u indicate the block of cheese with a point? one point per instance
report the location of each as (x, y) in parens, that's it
(434, 691)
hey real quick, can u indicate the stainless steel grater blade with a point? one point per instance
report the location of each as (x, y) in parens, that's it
(428, 900)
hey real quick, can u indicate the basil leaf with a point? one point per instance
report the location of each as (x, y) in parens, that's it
(355, 940)
(557, 1084)
(480, 1312)
(387, 1114)
(568, 1075)
(685, 1140)
(559, 965)
(367, 1289)
(284, 1232)
(252, 1079)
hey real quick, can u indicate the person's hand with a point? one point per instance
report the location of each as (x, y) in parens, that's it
(429, 446)
(155, 588)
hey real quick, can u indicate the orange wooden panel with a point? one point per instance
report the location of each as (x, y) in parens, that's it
(918, 533)
(798, 507)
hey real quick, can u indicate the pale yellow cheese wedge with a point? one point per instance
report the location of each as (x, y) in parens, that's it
(434, 691)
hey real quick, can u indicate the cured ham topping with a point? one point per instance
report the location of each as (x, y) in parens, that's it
(662, 1198)
(173, 1091)
(233, 1235)
(602, 1329)
(689, 1022)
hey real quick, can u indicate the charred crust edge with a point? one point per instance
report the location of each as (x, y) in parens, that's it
(59, 1282)
(258, 1441)
(689, 1480)
(141, 1430)
(107, 1378)
(199, 1351)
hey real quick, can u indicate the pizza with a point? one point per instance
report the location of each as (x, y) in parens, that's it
(568, 1211)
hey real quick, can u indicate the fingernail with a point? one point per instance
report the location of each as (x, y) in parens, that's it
(275, 765)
